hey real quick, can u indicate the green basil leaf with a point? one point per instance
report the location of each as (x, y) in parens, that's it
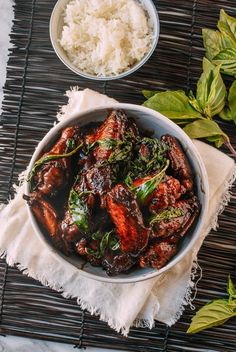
(227, 59)
(213, 314)
(79, 210)
(214, 42)
(221, 46)
(227, 26)
(231, 288)
(95, 254)
(70, 143)
(128, 180)
(109, 240)
(173, 104)
(97, 236)
(122, 152)
(232, 304)
(114, 243)
(149, 93)
(211, 91)
(104, 242)
(203, 128)
(229, 112)
(193, 101)
(144, 190)
(167, 214)
(217, 140)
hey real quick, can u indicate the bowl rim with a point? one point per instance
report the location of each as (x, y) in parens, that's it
(56, 46)
(204, 182)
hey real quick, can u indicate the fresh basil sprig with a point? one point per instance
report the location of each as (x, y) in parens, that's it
(182, 109)
(197, 112)
(216, 312)
(221, 45)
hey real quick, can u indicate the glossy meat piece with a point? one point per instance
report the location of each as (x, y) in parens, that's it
(159, 253)
(116, 263)
(128, 219)
(166, 194)
(179, 162)
(47, 217)
(81, 250)
(178, 225)
(85, 162)
(100, 180)
(70, 231)
(144, 151)
(115, 126)
(54, 175)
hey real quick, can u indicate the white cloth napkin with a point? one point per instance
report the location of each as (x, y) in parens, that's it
(121, 306)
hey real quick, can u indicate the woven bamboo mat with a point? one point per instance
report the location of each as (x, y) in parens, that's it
(36, 82)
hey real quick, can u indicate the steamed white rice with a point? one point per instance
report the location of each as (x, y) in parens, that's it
(105, 37)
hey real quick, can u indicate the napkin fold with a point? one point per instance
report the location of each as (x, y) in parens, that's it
(120, 305)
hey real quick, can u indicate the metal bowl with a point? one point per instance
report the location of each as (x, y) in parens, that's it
(149, 120)
(56, 25)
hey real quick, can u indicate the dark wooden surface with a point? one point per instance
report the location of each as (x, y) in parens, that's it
(35, 87)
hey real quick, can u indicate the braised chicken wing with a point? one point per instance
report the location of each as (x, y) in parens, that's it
(158, 253)
(176, 219)
(179, 162)
(54, 175)
(115, 127)
(116, 263)
(128, 219)
(100, 179)
(47, 217)
(166, 194)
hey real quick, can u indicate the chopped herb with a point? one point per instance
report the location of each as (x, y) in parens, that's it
(108, 143)
(106, 240)
(70, 143)
(148, 163)
(167, 214)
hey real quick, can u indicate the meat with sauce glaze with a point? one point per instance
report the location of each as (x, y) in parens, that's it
(101, 218)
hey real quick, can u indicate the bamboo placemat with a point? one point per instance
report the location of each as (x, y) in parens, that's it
(36, 82)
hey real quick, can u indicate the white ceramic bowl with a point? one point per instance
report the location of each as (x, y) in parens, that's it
(149, 120)
(56, 25)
